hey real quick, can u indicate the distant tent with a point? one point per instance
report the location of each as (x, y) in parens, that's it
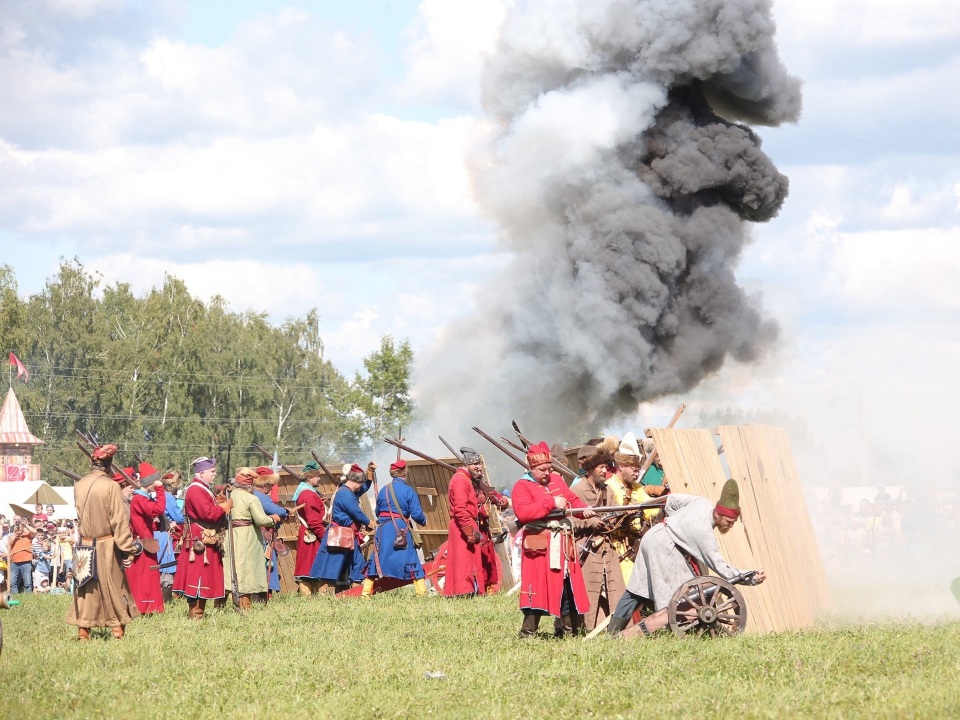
(18, 498)
(16, 443)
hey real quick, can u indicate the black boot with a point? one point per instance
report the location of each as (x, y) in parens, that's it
(167, 591)
(531, 622)
(564, 627)
(616, 625)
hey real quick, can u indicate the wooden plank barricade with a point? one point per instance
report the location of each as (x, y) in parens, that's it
(775, 532)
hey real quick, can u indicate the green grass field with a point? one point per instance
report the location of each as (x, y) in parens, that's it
(321, 657)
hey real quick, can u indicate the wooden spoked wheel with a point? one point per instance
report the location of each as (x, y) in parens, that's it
(707, 606)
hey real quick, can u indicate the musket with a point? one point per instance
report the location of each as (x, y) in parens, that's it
(164, 565)
(457, 455)
(613, 509)
(133, 483)
(266, 454)
(558, 466)
(501, 448)
(235, 585)
(424, 456)
(322, 466)
(484, 485)
(69, 474)
(229, 451)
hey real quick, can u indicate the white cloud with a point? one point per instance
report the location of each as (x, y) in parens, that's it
(446, 46)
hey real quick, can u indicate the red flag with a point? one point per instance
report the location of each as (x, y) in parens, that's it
(22, 372)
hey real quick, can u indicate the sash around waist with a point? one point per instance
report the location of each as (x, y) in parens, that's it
(87, 540)
(242, 523)
(389, 515)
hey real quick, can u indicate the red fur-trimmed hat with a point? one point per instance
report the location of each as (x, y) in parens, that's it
(538, 454)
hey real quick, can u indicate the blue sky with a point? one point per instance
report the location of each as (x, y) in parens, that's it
(320, 145)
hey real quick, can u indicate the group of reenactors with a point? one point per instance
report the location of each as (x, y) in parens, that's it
(578, 566)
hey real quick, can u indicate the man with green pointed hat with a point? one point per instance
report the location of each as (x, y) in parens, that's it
(661, 566)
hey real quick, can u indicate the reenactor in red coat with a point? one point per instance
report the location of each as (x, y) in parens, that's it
(145, 513)
(311, 518)
(200, 565)
(551, 580)
(471, 557)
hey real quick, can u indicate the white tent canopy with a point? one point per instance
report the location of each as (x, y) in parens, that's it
(18, 498)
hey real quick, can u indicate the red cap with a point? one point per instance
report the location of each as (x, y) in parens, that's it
(264, 471)
(398, 465)
(118, 478)
(538, 454)
(104, 452)
(145, 469)
(356, 469)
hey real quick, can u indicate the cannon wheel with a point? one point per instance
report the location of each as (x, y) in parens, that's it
(707, 605)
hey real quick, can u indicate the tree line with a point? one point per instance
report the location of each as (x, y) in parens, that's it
(170, 377)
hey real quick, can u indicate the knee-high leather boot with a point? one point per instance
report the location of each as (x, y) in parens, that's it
(531, 621)
(616, 625)
(563, 627)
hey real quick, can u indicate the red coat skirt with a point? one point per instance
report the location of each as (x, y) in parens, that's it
(542, 585)
(313, 514)
(471, 567)
(144, 582)
(201, 577)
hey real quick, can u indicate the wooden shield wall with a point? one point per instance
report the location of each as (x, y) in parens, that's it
(775, 533)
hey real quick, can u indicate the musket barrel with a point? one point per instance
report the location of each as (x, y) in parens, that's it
(424, 456)
(267, 454)
(501, 448)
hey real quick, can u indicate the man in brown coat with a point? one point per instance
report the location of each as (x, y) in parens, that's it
(598, 558)
(104, 516)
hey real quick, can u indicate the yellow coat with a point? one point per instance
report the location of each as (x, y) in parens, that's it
(620, 494)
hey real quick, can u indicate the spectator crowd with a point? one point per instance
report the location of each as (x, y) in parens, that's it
(36, 555)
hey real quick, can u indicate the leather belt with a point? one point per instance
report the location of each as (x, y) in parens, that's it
(242, 523)
(87, 540)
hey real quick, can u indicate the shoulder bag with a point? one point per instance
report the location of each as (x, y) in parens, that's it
(85, 556)
(401, 542)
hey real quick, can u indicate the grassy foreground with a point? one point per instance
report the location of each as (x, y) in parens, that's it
(320, 657)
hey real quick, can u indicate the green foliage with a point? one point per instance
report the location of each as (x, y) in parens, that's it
(382, 398)
(329, 658)
(170, 377)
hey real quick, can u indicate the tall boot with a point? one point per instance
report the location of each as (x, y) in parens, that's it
(167, 591)
(531, 621)
(616, 625)
(420, 586)
(83, 634)
(196, 608)
(564, 627)
(118, 632)
(220, 603)
(367, 590)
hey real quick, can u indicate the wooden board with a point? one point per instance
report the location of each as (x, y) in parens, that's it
(774, 534)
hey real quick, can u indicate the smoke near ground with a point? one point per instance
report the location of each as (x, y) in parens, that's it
(617, 163)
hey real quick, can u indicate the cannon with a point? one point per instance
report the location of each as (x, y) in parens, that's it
(708, 605)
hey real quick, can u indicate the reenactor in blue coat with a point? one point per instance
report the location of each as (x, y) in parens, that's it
(335, 564)
(394, 554)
